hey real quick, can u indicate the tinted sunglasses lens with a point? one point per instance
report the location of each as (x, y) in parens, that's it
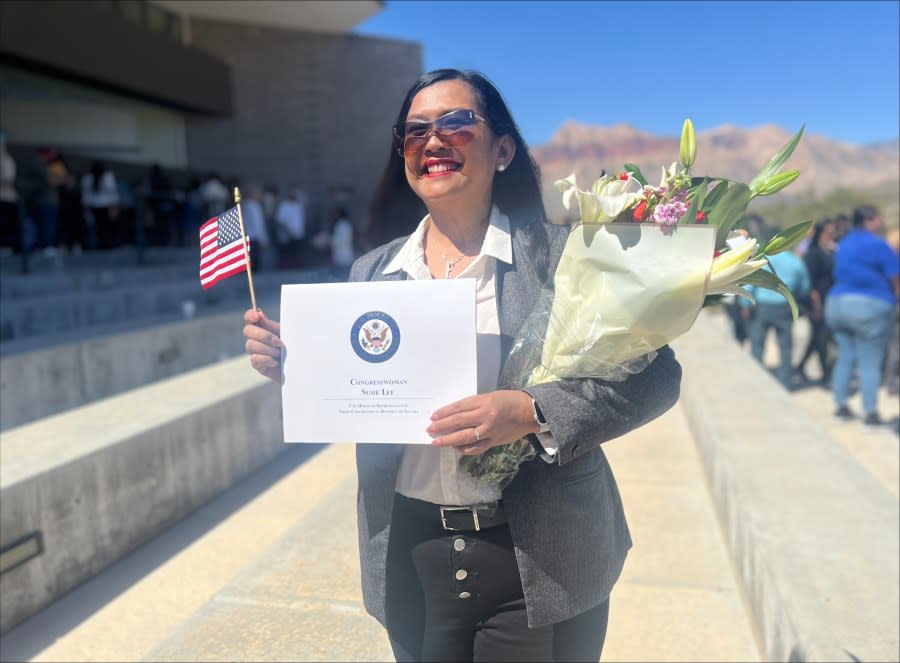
(450, 128)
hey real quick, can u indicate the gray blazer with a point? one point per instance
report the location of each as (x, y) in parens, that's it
(565, 518)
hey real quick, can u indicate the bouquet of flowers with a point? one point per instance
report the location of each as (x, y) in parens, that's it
(636, 270)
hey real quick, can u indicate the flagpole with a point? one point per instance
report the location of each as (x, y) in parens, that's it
(237, 203)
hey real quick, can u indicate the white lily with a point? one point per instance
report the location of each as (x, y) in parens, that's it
(733, 265)
(668, 174)
(609, 198)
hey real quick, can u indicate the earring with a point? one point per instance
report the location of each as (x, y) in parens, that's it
(501, 167)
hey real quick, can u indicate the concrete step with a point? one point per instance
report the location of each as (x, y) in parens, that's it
(97, 482)
(278, 579)
(876, 448)
(44, 262)
(812, 531)
(19, 286)
(123, 613)
(809, 530)
(68, 310)
(51, 380)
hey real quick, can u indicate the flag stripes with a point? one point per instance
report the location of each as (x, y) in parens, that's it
(221, 251)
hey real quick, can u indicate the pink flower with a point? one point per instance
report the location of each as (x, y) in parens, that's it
(667, 214)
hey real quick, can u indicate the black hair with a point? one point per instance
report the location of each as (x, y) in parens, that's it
(819, 228)
(98, 168)
(863, 214)
(396, 209)
(340, 212)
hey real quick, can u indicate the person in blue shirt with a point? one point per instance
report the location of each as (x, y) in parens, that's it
(860, 309)
(773, 312)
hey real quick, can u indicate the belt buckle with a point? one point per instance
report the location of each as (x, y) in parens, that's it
(473, 509)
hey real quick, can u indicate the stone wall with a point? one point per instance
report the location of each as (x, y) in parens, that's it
(310, 109)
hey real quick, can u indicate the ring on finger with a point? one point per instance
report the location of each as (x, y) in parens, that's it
(477, 434)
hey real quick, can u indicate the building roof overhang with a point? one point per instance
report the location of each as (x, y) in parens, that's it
(311, 15)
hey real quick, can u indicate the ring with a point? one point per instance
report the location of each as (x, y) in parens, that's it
(477, 436)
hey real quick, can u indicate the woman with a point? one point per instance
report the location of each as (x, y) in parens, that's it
(819, 259)
(526, 577)
(100, 197)
(860, 310)
(341, 239)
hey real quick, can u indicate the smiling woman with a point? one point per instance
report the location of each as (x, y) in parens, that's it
(454, 568)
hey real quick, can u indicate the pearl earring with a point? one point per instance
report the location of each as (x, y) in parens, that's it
(501, 167)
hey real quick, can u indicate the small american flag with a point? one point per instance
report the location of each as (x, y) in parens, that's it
(221, 252)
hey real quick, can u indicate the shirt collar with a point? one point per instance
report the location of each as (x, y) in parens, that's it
(497, 243)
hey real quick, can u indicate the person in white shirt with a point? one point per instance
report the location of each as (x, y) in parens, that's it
(290, 223)
(100, 198)
(342, 254)
(10, 229)
(215, 196)
(456, 570)
(255, 227)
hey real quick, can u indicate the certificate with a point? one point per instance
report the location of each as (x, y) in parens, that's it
(370, 362)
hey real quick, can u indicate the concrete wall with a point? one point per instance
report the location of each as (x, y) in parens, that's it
(51, 380)
(813, 534)
(312, 109)
(99, 481)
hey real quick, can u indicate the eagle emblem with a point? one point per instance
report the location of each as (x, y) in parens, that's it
(375, 336)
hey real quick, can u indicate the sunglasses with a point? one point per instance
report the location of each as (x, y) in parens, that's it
(410, 137)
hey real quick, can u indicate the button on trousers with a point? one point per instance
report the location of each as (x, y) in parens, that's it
(457, 596)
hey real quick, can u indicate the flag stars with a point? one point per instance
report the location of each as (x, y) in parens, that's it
(229, 228)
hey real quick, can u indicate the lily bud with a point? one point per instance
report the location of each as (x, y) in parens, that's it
(777, 182)
(688, 151)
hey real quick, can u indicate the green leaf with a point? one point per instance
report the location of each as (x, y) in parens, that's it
(699, 189)
(713, 196)
(777, 182)
(787, 239)
(763, 278)
(728, 210)
(776, 162)
(689, 217)
(636, 172)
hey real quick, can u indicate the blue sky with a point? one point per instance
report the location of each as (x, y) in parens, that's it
(833, 65)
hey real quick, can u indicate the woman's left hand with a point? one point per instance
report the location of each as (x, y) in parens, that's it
(499, 417)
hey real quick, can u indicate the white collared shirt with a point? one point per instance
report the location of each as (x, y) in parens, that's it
(432, 473)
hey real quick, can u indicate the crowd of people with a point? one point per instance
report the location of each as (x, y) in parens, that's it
(845, 279)
(844, 275)
(48, 206)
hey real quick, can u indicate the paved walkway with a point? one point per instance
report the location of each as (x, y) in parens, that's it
(877, 447)
(678, 584)
(268, 571)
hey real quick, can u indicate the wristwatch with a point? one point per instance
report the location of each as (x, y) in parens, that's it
(540, 418)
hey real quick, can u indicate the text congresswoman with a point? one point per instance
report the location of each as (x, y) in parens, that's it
(385, 382)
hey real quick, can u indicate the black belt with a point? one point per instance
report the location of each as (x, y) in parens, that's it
(471, 518)
(457, 518)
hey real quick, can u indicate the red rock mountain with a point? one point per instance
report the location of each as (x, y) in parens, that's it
(726, 151)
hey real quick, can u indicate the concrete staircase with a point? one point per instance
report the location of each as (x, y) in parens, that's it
(178, 527)
(74, 337)
(268, 572)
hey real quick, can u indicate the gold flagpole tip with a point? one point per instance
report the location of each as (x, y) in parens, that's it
(237, 195)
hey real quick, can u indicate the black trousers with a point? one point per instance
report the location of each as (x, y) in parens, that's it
(457, 596)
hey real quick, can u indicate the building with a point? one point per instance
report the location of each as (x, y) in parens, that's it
(266, 91)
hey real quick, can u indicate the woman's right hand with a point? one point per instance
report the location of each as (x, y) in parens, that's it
(263, 344)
